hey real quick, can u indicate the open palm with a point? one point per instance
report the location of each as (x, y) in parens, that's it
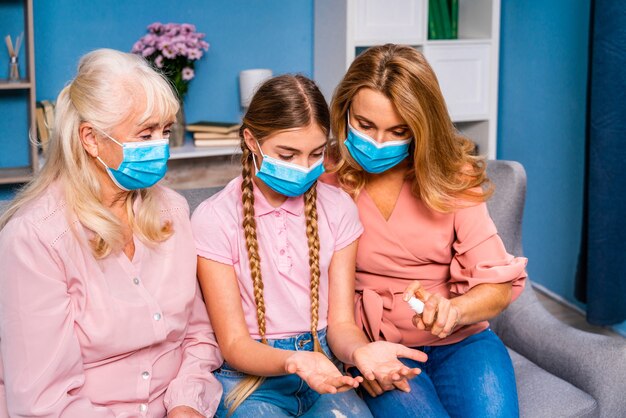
(379, 360)
(319, 372)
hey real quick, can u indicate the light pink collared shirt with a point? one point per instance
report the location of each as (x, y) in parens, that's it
(283, 248)
(85, 338)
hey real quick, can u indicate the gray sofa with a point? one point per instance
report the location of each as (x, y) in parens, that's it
(560, 371)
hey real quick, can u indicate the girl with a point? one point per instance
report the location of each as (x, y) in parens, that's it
(276, 265)
(418, 188)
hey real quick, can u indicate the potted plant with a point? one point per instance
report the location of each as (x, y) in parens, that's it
(173, 48)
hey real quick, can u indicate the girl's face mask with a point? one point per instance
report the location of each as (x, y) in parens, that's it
(286, 178)
(143, 164)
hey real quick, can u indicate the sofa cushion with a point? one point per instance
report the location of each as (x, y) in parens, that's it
(542, 394)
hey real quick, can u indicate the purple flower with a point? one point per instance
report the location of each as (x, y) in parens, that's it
(194, 54)
(188, 73)
(137, 47)
(155, 27)
(148, 51)
(174, 47)
(168, 52)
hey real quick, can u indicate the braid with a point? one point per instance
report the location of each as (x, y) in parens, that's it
(310, 207)
(250, 383)
(252, 245)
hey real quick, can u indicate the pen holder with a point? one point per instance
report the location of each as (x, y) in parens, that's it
(14, 71)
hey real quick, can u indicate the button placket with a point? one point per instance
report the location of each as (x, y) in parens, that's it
(284, 261)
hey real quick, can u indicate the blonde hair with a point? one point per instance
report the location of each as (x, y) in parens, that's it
(107, 86)
(283, 102)
(444, 170)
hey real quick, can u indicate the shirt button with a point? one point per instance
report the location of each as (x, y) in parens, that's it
(156, 316)
(145, 375)
(136, 280)
(277, 214)
(282, 252)
(143, 407)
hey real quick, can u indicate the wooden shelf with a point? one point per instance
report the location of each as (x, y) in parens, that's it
(15, 85)
(188, 150)
(15, 175)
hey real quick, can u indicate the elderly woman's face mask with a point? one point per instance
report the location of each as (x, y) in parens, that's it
(143, 164)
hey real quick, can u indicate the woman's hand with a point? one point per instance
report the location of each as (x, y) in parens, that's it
(379, 364)
(184, 412)
(319, 372)
(440, 316)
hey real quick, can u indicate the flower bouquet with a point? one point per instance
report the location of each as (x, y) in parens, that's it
(172, 48)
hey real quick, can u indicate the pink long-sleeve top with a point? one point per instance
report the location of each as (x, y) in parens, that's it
(82, 337)
(449, 253)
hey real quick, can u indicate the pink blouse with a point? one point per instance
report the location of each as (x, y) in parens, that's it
(448, 252)
(81, 337)
(283, 249)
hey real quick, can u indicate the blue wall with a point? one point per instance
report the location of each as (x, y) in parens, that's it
(276, 34)
(242, 34)
(543, 82)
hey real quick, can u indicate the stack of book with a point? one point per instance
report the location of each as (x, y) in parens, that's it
(214, 134)
(443, 19)
(44, 115)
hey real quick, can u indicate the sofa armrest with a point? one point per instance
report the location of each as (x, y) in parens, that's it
(592, 362)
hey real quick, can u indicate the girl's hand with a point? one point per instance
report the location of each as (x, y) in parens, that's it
(184, 412)
(379, 364)
(440, 316)
(319, 372)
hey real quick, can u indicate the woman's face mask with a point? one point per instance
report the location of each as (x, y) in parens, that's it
(144, 163)
(372, 156)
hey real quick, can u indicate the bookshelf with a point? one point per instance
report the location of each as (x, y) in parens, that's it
(21, 95)
(467, 67)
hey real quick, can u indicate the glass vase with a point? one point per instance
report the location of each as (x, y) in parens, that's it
(177, 135)
(14, 71)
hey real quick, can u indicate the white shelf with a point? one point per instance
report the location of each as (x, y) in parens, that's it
(467, 67)
(188, 150)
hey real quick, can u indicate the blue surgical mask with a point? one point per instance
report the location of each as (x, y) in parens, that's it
(375, 157)
(143, 164)
(286, 178)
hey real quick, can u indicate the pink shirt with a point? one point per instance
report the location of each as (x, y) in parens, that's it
(448, 252)
(283, 250)
(81, 337)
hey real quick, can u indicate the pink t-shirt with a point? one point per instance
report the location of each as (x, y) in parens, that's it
(283, 249)
(82, 337)
(448, 252)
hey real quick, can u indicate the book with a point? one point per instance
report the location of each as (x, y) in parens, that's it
(215, 135)
(454, 18)
(44, 116)
(226, 142)
(437, 25)
(445, 19)
(217, 127)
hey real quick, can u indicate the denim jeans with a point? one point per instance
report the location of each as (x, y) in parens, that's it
(471, 378)
(289, 395)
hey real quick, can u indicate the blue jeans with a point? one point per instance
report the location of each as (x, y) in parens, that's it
(289, 395)
(471, 378)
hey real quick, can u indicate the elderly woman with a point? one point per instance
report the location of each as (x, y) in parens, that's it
(100, 312)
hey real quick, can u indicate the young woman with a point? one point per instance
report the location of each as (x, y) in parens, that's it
(419, 191)
(276, 265)
(100, 310)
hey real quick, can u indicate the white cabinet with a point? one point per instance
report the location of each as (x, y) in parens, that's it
(467, 67)
(399, 21)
